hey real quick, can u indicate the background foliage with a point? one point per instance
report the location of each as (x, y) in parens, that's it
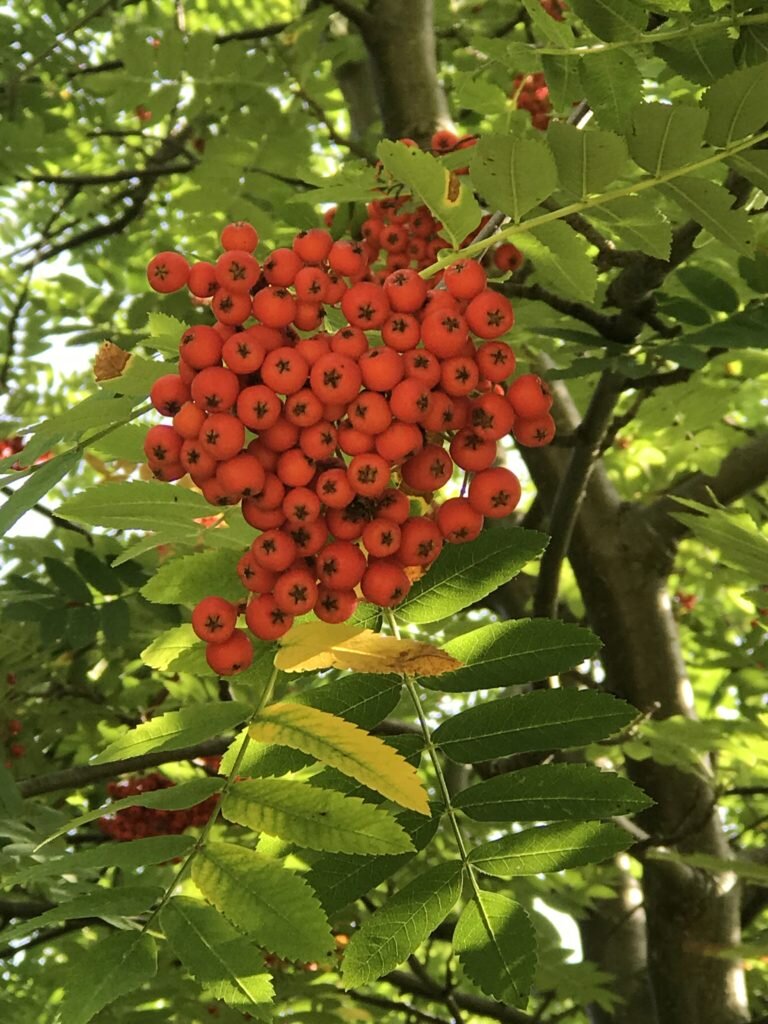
(133, 127)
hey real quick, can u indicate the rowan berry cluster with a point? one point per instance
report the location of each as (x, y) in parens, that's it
(14, 749)
(138, 822)
(532, 94)
(346, 428)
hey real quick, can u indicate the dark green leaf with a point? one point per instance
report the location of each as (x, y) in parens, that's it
(542, 720)
(587, 160)
(508, 653)
(116, 964)
(550, 848)
(712, 207)
(612, 85)
(664, 136)
(496, 945)
(552, 792)
(34, 487)
(466, 573)
(513, 174)
(736, 105)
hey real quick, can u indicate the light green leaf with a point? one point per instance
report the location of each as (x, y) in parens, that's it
(736, 105)
(752, 871)
(508, 653)
(496, 945)
(125, 855)
(541, 720)
(264, 899)
(612, 85)
(176, 729)
(701, 58)
(664, 136)
(165, 332)
(612, 20)
(35, 486)
(513, 174)
(552, 792)
(169, 646)
(318, 819)
(125, 901)
(339, 879)
(173, 798)
(103, 971)
(214, 953)
(466, 573)
(563, 78)
(448, 197)
(136, 505)
(711, 206)
(397, 929)
(588, 161)
(739, 546)
(189, 579)
(561, 260)
(342, 745)
(94, 413)
(635, 226)
(550, 848)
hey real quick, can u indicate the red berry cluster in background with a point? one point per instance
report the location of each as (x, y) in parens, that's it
(15, 444)
(325, 437)
(555, 8)
(12, 729)
(138, 822)
(533, 95)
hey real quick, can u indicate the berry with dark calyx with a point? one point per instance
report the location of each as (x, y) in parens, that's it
(494, 492)
(232, 656)
(167, 272)
(214, 619)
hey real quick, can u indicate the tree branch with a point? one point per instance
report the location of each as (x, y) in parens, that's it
(396, 1007)
(605, 324)
(106, 179)
(56, 520)
(405, 982)
(87, 774)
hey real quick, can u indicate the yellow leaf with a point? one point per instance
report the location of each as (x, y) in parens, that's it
(310, 646)
(110, 361)
(344, 746)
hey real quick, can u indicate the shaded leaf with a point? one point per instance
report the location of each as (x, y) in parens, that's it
(587, 160)
(214, 953)
(612, 85)
(711, 206)
(736, 105)
(513, 174)
(664, 136)
(115, 965)
(392, 933)
(496, 945)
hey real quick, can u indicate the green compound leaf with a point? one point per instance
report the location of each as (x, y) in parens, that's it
(513, 174)
(340, 744)
(125, 901)
(736, 105)
(700, 58)
(165, 332)
(340, 879)
(127, 855)
(466, 573)
(740, 546)
(496, 946)
(509, 653)
(612, 85)
(561, 260)
(446, 195)
(552, 792)
(407, 919)
(176, 729)
(189, 579)
(174, 798)
(35, 486)
(588, 160)
(103, 971)
(550, 848)
(214, 953)
(542, 720)
(612, 20)
(634, 226)
(166, 648)
(664, 136)
(318, 819)
(263, 899)
(137, 505)
(711, 206)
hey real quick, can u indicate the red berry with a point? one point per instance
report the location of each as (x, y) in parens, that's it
(214, 619)
(232, 656)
